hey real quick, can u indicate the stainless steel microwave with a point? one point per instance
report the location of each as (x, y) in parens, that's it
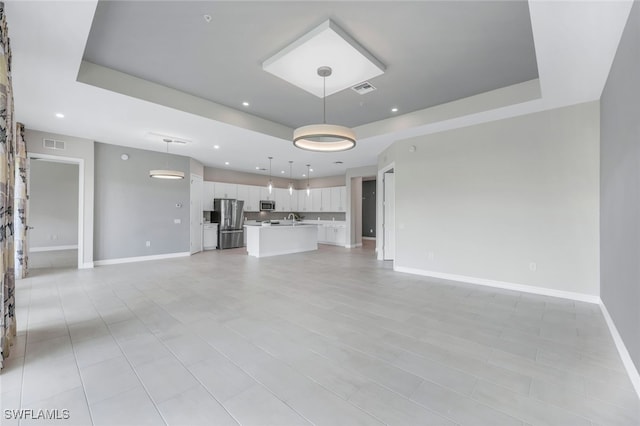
(267, 205)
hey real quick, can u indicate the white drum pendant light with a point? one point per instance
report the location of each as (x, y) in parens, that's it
(324, 137)
(166, 173)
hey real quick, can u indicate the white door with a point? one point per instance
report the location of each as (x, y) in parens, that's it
(196, 214)
(389, 218)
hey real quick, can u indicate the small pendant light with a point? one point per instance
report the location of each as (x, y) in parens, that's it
(270, 185)
(290, 181)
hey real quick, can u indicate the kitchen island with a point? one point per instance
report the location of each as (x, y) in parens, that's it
(282, 238)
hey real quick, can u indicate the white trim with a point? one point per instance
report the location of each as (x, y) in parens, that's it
(140, 258)
(356, 245)
(380, 207)
(53, 248)
(502, 284)
(86, 265)
(80, 163)
(632, 371)
(369, 238)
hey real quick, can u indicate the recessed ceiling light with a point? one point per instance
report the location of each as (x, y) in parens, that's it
(59, 115)
(310, 170)
(257, 167)
(226, 163)
(282, 171)
(216, 147)
(245, 103)
(394, 109)
(304, 175)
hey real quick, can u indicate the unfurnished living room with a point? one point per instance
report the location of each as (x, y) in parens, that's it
(320, 212)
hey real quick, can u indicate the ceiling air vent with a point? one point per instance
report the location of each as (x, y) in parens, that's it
(53, 144)
(364, 87)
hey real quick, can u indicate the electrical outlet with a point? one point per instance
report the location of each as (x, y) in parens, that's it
(430, 255)
(177, 221)
(148, 243)
(533, 267)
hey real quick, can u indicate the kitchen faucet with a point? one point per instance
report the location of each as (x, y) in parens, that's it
(290, 216)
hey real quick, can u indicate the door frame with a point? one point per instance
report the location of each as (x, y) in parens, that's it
(380, 208)
(193, 249)
(65, 160)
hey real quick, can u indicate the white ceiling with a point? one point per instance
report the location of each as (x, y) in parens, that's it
(575, 43)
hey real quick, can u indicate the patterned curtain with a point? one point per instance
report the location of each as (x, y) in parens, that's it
(20, 205)
(7, 178)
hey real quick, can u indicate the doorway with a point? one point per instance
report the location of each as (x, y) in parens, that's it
(389, 216)
(54, 212)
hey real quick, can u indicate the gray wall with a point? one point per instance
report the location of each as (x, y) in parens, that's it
(81, 150)
(488, 200)
(369, 208)
(132, 208)
(620, 188)
(53, 204)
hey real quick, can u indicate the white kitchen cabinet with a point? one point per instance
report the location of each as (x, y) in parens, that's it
(316, 200)
(264, 193)
(210, 236)
(322, 234)
(225, 190)
(332, 234)
(325, 203)
(293, 200)
(304, 201)
(338, 199)
(254, 198)
(250, 194)
(208, 194)
(283, 202)
(243, 194)
(341, 235)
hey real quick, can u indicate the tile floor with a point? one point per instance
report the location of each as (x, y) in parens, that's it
(328, 338)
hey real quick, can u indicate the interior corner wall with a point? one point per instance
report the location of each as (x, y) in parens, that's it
(513, 201)
(620, 189)
(77, 148)
(132, 208)
(53, 204)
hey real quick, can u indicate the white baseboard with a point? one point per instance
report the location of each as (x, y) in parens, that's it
(632, 371)
(139, 258)
(502, 284)
(353, 245)
(52, 248)
(369, 238)
(86, 265)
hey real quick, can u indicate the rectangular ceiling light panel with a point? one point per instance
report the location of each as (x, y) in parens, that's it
(326, 45)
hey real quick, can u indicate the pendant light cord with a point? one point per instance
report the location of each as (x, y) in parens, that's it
(324, 100)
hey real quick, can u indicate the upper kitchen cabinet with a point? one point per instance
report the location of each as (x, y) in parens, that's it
(208, 194)
(316, 200)
(338, 199)
(283, 202)
(304, 201)
(225, 190)
(325, 204)
(250, 194)
(264, 193)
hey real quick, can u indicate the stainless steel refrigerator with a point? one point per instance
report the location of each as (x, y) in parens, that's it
(229, 214)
